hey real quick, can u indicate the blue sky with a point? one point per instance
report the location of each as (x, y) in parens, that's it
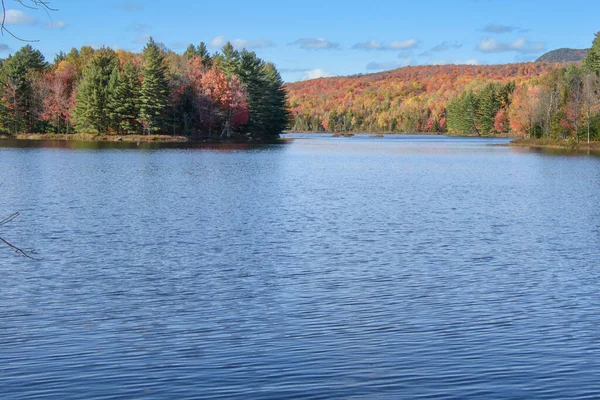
(319, 38)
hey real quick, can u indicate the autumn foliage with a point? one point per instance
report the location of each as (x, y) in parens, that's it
(411, 99)
(157, 91)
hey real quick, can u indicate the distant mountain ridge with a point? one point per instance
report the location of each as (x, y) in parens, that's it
(563, 55)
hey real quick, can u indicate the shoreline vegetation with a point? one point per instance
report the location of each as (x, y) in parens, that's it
(157, 95)
(541, 100)
(563, 144)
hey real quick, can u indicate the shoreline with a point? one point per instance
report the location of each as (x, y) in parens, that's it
(560, 144)
(88, 137)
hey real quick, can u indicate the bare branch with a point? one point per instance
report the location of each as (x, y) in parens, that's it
(30, 4)
(21, 252)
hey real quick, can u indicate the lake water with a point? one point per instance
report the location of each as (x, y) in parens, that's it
(403, 267)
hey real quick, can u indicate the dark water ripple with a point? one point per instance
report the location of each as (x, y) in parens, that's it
(412, 267)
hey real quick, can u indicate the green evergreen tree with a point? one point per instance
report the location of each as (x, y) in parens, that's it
(190, 52)
(266, 96)
(91, 112)
(203, 53)
(125, 99)
(154, 93)
(199, 51)
(592, 61)
(278, 113)
(462, 114)
(229, 60)
(488, 104)
(18, 87)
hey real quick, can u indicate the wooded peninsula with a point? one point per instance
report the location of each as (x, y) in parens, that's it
(231, 94)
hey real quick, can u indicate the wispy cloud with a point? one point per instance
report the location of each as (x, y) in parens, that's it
(315, 44)
(316, 73)
(4, 48)
(142, 38)
(381, 66)
(499, 28)
(292, 70)
(220, 41)
(143, 33)
(18, 17)
(396, 45)
(520, 45)
(445, 46)
(129, 5)
(56, 24)
(472, 61)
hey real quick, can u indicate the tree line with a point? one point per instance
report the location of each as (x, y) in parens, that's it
(229, 93)
(534, 99)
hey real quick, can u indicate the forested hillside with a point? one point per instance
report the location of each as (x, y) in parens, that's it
(153, 92)
(410, 99)
(537, 99)
(563, 55)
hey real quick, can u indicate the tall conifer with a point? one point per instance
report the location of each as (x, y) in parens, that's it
(154, 93)
(91, 111)
(125, 99)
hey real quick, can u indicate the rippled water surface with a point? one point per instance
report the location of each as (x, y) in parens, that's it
(402, 267)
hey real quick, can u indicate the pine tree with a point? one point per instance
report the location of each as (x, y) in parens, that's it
(125, 99)
(190, 52)
(18, 87)
(266, 96)
(229, 60)
(198, 51)
(592, 61)
(488, 102)
(203, 53)
(154, 93)
(93, 92)
(278, 114)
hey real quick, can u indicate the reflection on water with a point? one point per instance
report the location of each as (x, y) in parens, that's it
(397, 267)
(90, 145)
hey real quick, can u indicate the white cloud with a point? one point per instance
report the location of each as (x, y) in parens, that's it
(471, 61)
(396, 45)
(18, 17)
(316, 73)
(403, 45)
(520, 45)
(56, 24)
(220, 41)
(315, 44)
(369, 45)
(251, 44)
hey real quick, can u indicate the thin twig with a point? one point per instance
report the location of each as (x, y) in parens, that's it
(32, 5)
(21, 252)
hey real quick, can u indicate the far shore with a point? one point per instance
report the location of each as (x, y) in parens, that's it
(567, 144)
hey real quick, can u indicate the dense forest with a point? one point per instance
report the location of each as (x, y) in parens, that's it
(156, 92)
(563, 55)
(535, 99)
